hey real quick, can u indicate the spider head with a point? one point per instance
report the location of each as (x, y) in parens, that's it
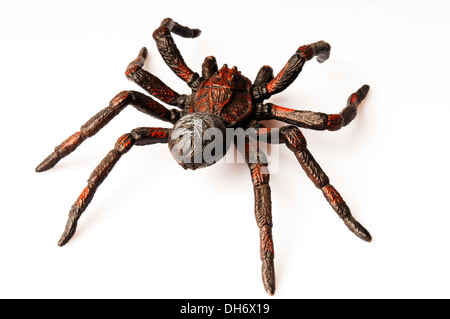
(224, 77)
(198, 140)
(231, 78)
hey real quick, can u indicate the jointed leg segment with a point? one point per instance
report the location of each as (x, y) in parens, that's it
(139, 136)
(257, 164)
(314, 120)
(295, 64)
(295, 141)
(151, 83)
(291, 70)
(140, 101)
(170, 53)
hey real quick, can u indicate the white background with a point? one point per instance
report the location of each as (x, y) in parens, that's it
(154, 230)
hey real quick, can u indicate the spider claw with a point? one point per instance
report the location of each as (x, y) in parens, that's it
(268, 276)
(356, 228)
(48, 163)
(71, 227)
(137, 63)
(362, 92)
(357, 97)
(270, 288)
(179, 29)
(142, 56)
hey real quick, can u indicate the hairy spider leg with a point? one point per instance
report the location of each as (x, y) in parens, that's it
(170, 53)
(314, 120)
(151, 83)
(139, 100)
(138, 136)
(294, 66)
(264, 76)
(257, 163)
(296, 142)
(292, 69)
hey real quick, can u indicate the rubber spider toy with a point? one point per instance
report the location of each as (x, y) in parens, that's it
(221, 98)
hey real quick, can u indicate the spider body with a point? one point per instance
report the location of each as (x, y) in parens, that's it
(220, 99)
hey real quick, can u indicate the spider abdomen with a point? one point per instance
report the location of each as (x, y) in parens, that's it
(198, 140)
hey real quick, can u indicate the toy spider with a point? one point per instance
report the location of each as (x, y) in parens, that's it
(220, 99)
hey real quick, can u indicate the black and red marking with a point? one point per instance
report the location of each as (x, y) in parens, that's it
(340, 207)
(234, 101)
(139, 136)
(226, 93)
(334, 122)
(296, 142)
(170, 53)
(295, 64)
(151, 83)
(349, 112)
(263, 212)
(321, 181)
(140, 101)
(314, 120)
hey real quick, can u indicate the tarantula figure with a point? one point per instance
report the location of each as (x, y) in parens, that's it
(221, 99)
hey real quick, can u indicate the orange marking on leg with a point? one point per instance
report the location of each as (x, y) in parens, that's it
(71, 140)
(266, 242)
(269, 245)
(157, 132)
(119, 98)
(127, 144)
(333, 195)
(132, 68)
(272, 84)
(334, 122)
(306, 51)
(121, 139)
(279, 110)
(260, 174)
(82, 196)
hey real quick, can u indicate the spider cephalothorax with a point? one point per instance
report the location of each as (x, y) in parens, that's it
(221, 99)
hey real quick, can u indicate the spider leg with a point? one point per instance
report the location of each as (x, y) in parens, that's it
(139, 136)
(257, 163)
(264, 76)
(314, 120)
(151, 83)
(140, 101)
(170, 53)
(296, 142)
(292, 69)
